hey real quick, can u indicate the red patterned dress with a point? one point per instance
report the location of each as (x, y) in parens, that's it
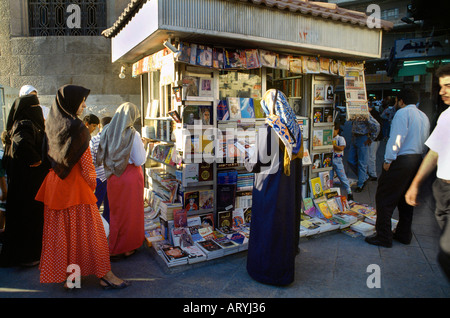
(73, 228)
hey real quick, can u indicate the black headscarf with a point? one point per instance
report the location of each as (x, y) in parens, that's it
(26, 108)
(24, 111)
(67, 138)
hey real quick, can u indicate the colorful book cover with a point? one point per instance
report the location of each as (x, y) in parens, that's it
(327, 139)
(234, 107)
(318, 114)
(327, 159)
(247, 108)
(316, 187)
(222, 110)
(206, 199)
(205, 114)
(204, 56)
(252, 58)
(191, 200)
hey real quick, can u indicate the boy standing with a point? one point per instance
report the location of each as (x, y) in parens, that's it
(339, 145)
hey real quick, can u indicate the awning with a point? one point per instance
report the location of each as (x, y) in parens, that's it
(289, 26)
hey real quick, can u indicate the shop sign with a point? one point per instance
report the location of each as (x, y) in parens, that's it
(422, 47)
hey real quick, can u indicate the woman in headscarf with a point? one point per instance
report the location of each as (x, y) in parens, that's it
(73, 228)
(122, 153)
(25, 173)
(277, 164)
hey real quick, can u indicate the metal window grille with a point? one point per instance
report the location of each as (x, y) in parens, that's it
(49, 17)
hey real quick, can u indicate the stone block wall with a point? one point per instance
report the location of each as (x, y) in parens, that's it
(50, 62)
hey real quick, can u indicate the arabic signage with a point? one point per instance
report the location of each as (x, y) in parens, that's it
(422, 47)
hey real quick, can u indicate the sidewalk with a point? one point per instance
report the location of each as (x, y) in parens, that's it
(330, 265)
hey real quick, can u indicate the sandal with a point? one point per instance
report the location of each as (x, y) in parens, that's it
(110, 285)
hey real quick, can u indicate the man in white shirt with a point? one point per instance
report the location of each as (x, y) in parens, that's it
(438, 156)
(404, 152)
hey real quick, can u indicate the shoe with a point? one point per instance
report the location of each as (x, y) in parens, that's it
(375, 240)
(359, 189)
(402, 240)
(350, 196)
(110, 285)
(372, 178)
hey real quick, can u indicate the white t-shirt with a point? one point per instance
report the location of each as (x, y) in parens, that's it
(439, 142)
(339, 141)
(137, 155)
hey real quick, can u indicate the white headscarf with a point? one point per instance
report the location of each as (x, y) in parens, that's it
(27, 89)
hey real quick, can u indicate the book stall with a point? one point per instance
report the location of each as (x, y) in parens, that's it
(200, 107)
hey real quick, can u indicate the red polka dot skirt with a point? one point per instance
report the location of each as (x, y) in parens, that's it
(73, 236)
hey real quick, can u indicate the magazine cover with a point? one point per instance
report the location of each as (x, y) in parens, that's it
(191, 201)
(205, 87)
(185, 52)
(204, 56)
(252, 58)
(247, 108)
(222, 110)
(218, 58)
(206, 199)
(205, 113)
(268, 59)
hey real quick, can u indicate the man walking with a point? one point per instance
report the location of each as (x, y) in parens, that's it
(438, 155)
(404, 150)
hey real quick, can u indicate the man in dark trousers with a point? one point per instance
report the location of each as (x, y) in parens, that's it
(438, 156)
(404, 152)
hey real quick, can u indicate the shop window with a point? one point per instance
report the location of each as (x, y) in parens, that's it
(66, 17)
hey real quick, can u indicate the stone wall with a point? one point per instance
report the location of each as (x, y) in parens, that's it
(50, 62)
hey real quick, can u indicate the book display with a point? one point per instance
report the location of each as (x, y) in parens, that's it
(202, 122)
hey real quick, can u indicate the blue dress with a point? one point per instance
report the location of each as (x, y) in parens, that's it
(275, 223)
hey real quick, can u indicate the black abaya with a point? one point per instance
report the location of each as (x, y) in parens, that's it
(275, 223)
(24, 215)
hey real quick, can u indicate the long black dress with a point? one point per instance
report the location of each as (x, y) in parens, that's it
(275, 221)
(24, 215)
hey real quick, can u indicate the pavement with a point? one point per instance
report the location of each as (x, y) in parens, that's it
(330, 265)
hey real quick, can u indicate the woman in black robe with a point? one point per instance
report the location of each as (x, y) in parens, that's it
(275, 220)
(25, 172)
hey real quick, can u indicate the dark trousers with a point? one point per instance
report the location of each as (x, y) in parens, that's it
(441, 193)
(392, 186)
(102, 197)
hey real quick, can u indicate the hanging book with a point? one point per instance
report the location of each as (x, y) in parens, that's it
(218, 58)
(204, 56)
(185, 52)
(268, 59)
(252, 58)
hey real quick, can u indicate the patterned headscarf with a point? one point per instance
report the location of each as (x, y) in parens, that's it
(282, 119)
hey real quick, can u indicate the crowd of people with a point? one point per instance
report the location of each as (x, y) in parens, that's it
(58, 177)
(55, 187)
